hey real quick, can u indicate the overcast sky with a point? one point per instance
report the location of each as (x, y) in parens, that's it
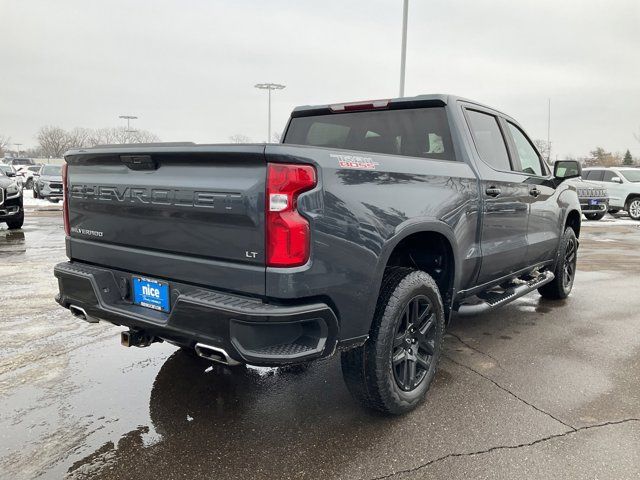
(187, 68)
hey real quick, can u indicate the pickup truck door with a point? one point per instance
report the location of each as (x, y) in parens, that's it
(505, 199)
(545, 222)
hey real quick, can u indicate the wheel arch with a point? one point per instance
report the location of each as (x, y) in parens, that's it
(573, 220)
(439, 258)
(630, 197)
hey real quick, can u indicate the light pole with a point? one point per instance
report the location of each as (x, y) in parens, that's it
(269, 87)
(128, 118)
(18, 145)
(403, 54)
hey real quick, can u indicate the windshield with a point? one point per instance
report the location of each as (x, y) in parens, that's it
(53, 170)
(420, 132)
(631, 175)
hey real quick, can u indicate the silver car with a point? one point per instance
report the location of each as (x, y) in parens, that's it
(594, 198)
(49, 183)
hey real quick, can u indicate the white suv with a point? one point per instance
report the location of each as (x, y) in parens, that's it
(623, 185)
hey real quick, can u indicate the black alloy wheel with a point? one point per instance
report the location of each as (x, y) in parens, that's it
(570, 258)
(414, 343)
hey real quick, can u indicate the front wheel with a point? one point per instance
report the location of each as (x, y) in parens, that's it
(29, 184)
(594, 216)
(634, 208)
(393, 370)
(565, 270)
(16, 222)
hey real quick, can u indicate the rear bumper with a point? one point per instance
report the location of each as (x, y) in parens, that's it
(247, 329)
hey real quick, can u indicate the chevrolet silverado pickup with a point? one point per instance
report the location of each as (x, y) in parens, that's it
(361, 233)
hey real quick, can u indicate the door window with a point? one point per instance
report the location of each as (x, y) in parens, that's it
(608, 175)
(594, 175)
(489, 140)
(529, 159)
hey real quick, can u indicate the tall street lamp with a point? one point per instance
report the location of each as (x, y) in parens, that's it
(269, 87)
(403, 54)
(128, 118)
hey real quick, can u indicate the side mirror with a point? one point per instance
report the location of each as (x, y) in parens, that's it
(564, 169)
(616, 180)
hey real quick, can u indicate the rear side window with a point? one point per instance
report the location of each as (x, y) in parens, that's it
(594, 175)
(489, 140)
(419, 132)
(529, 159)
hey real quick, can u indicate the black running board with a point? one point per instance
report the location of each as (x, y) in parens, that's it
(496, 300)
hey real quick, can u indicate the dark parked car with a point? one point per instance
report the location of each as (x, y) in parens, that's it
(49, 183)
(361, 234)
(16, 162)
(11, 207)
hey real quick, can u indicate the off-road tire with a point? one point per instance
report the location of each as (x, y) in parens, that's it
(594, 216)
(559, 288)
(16, 222)
(368, 370)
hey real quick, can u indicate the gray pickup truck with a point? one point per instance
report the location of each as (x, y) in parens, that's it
(362, 232)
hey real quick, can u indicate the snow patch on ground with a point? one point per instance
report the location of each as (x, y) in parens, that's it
(31, 203)
(610, 220)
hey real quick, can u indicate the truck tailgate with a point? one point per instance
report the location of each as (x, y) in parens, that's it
(194, 214)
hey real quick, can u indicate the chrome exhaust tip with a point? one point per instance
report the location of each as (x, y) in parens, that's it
(215, 354)
(80, 313)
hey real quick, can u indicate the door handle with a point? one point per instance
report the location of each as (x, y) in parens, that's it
(493, 191)
(534, 192)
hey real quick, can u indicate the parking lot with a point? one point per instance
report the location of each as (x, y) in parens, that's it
(536, 389)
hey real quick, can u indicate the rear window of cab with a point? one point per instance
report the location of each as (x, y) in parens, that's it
(419, 132)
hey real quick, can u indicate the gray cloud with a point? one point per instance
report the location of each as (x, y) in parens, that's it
(187, 69)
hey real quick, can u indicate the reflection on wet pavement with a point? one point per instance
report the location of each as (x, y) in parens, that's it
(74, 404)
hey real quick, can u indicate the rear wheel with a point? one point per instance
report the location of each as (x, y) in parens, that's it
(393, 370)
(594, 216)
(565, 270)
(633, 208)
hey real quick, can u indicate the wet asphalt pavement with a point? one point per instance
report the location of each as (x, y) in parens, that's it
(537, 389)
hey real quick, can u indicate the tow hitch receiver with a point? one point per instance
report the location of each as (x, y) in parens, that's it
(137, 338)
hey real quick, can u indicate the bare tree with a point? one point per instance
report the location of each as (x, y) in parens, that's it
(600, 156)
(54, 141)
(239, 138)
(544, 148)
(275, 137)
(78, 137)
(4, 143)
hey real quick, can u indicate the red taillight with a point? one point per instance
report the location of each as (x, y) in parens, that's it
(65, 200)
(288, 240)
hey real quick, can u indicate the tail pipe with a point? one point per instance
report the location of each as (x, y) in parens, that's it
(215, 354)
(80, 313)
